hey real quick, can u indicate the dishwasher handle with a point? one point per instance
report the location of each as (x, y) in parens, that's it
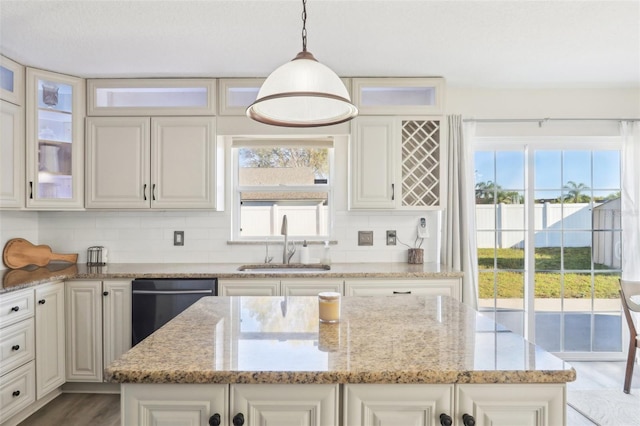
(173, 292)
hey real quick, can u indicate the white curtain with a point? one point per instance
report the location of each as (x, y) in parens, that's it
(459, 249)
(630, 211)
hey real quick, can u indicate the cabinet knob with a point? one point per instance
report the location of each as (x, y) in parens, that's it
(445, 420)
(15, 347)
(468, 420)
(402, 292)
(105, 293)
(214, 420)
(41, 302)
(16, 393)
(238, 419)
(153, 192)
(15, 309)
(144, 191)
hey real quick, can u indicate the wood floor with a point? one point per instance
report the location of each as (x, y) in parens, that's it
(78, 409)
(71, 409)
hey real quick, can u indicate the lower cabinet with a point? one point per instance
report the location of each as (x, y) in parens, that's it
(249, 287)
(507, 405)
(32, 347)
(184, 405)
(241, 404)
(362, 404)
(98, 325)
(401, 404)
(310, 286)
(50, 338)
(451, 287)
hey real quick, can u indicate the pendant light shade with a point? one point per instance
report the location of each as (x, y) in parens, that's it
(302, 93)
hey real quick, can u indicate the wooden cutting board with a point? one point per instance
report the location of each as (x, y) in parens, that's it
(19, 253)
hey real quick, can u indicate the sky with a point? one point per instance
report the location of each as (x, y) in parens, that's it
(598, 170)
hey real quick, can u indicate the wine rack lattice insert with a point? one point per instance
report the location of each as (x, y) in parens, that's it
(420, 163)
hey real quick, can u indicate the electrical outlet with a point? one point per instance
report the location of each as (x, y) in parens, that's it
(365, 238)
(178, 238)
(391, 238)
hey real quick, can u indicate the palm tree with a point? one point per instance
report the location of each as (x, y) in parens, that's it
(574, 192)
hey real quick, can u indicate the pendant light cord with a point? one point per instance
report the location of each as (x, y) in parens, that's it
(304, 25)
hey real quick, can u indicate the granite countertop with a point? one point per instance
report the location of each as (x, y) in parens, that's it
(26, 277)
(408, 339)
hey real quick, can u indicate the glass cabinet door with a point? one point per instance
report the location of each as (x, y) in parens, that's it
(55, 112)
(11, 81)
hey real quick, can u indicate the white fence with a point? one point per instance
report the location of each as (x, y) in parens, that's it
(556, 225)
(267, 220)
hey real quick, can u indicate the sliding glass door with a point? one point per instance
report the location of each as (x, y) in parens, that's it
(549, 240)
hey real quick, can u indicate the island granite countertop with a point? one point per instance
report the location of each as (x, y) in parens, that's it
(407, 339)
(26, 277)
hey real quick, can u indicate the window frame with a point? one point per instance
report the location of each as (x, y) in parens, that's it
(236, 189)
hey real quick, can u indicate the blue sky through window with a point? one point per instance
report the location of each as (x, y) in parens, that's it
(598, 170)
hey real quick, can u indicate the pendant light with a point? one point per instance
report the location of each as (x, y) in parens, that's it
(302, 93)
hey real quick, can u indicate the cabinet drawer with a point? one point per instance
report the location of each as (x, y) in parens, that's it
(16, 307)
(16, 345)
(400, 290)
(17, 390)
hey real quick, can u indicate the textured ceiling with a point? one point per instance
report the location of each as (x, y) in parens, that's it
(514, 43)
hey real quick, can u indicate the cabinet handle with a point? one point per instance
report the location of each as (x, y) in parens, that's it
(214, 420)
(468, 420)
(41, 302)
(15, 309)
(445, 420)
(393, 191)
(402, 292)
(144, 191)
(238, 419)
(105, 293)
(16, 393)
(15, 347)
(31, 190)
(153, 192)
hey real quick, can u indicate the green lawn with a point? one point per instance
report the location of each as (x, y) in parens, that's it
(548, 284)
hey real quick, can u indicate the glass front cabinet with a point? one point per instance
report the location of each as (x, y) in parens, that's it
(55, 109)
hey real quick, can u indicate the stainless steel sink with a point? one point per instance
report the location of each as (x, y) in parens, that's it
(284, 268)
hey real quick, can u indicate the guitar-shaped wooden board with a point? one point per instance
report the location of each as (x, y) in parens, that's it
(19, 253)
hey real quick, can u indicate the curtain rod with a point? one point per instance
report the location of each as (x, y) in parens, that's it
(540, 121)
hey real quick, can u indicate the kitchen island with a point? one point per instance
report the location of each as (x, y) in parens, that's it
(390, 360)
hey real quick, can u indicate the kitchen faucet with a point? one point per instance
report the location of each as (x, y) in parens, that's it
(287, 253)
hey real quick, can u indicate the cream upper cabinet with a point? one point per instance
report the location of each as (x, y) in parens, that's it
(55, 107)
(12, 144)
(398, 96)
(11, 81)
(138, 97)
(159, 162)
(236, 94)
(396, 163)
(373, 163)
(118, 162)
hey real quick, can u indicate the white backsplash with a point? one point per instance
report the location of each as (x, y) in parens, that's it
(147, 236)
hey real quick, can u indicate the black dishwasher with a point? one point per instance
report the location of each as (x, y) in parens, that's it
(156, 301)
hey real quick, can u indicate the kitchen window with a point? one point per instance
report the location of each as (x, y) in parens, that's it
(277, 177)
